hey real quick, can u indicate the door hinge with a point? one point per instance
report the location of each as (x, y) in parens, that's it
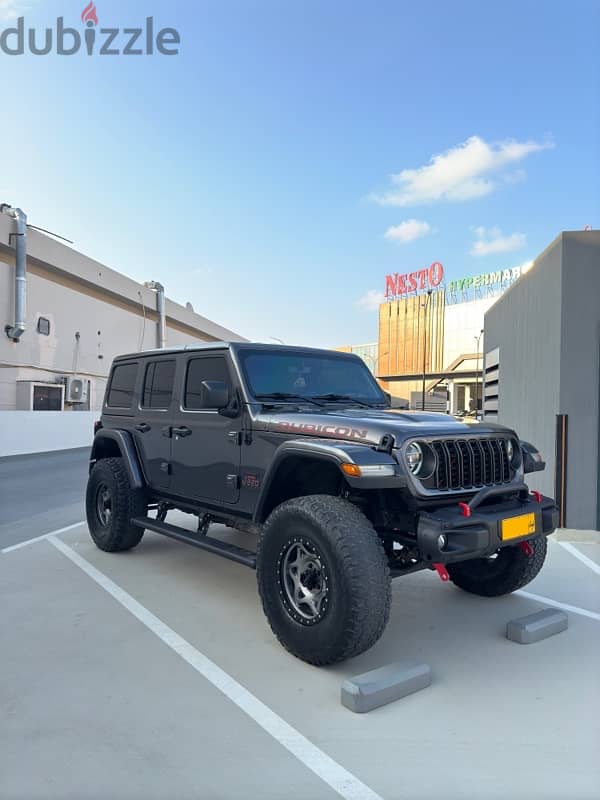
(165, 466)
(235, 437)
(233, 481)
(166, 431)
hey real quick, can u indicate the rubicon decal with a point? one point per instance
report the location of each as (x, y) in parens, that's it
(332, 431)
(64, 40)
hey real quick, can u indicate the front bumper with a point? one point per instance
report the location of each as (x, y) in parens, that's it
(480, 534)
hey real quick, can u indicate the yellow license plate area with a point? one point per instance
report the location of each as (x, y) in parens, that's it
(515, 527)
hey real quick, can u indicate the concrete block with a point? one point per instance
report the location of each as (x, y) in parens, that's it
(384, 685)
(534, 627)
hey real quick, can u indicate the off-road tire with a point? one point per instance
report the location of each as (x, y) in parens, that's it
(118, 534)
(356, 574)
(509, 571)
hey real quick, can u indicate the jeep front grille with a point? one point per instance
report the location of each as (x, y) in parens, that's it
(469, 464)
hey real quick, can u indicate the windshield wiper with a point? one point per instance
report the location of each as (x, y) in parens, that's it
(335, 397)
(287, 396)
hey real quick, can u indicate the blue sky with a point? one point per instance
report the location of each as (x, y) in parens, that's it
(258, 172)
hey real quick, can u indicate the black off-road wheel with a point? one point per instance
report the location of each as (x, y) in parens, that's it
(110, 504)
(506, 571)
(323, 579)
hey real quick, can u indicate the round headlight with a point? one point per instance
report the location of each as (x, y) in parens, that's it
(510, 449)
(513, 451)
(414, 457)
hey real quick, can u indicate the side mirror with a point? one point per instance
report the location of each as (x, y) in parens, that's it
(532, 458)
(214, 394)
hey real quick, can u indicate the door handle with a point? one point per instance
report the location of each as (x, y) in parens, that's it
(183, 431)
(143, 427)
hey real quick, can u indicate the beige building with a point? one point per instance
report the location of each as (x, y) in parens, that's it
(431, 338)
(78, 315)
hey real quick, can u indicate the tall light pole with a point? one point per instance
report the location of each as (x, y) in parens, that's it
(478, 374)
(425, 305)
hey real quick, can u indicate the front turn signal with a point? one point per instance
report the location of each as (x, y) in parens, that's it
(351, 469)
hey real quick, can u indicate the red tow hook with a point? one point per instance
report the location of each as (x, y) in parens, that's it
(442, 572)
(526, 548)
(537, 496)
(465, 509)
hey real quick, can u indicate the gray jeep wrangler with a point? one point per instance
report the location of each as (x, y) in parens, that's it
(300, 447)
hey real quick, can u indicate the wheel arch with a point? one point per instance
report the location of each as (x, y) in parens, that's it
(312, 466)
(299, 468)
(118, 444)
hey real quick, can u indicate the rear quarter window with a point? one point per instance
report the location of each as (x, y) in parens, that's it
(122, 384)
(158, 384)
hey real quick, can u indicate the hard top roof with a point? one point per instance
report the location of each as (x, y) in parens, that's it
(234, 346)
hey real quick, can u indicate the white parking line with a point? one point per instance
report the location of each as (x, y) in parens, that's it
(40, 538)
(339, 779)
(583, 612)
(583, 558)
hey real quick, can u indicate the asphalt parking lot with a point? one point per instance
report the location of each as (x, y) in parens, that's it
(153, 674)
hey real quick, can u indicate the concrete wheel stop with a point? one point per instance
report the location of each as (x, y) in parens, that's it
(381, 686)
(538, 626)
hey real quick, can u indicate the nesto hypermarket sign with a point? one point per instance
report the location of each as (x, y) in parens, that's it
(429, 278)
(426, 279)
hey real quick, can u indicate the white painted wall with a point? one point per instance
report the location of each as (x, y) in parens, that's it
(42, 431)
(462, 324)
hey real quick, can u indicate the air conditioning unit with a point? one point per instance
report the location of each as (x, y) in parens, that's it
(76, 390)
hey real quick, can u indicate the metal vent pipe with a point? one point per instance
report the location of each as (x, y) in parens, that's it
(160, 307)
(16, 330)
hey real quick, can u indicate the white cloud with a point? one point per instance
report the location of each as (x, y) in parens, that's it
(371, 300)
(489, 241)
(11, 9)
(408, 231)
(461, 173)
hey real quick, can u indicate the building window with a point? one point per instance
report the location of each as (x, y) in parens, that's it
(122, 384)
(203, 369)
(43, 326)
(158, 384)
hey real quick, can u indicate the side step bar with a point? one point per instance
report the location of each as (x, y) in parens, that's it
(219, 548)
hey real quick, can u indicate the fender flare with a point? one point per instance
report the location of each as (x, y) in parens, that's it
(333, 451)
(126, 446)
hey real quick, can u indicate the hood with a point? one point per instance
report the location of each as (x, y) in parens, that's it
(369, 425)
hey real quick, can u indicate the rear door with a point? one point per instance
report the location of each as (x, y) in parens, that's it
(205, 445)
(151, 429)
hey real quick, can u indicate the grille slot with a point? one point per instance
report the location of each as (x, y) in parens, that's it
(469, 464)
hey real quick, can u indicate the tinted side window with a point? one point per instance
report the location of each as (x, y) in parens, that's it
(158, 384)
(211, 368)
(120, 393)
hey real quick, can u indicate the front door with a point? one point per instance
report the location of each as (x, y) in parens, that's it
(205, 445)
(151, 426)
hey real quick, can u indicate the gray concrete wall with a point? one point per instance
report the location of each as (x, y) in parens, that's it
(525, 325)
(579, 372)
(547, 327)
(111, 313)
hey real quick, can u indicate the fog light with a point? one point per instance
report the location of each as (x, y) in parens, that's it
(442, 541)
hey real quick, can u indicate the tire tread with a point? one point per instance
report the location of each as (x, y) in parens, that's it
(126, 503)
(362, 560)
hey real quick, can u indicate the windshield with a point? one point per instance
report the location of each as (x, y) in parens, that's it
(310, 375)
